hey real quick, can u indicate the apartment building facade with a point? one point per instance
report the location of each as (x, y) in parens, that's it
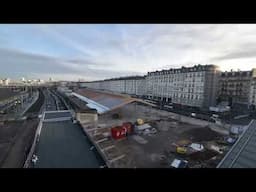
(195, 86)
(190, 86)
(252, 97)
(5, 81)
(135, 85)
(237, 87)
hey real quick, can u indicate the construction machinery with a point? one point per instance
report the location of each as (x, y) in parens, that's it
(181, 150)
(140, 121)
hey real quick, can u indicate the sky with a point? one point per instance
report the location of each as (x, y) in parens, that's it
(99, 51)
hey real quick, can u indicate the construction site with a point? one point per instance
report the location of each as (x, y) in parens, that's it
(105, 129)
(131, 133)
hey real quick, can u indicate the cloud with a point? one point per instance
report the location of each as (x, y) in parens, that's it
(68, 41)
(243, 50)
(16, 61)
(138, 47)
(104, 51)
(237, 55)
(20, 64)
(152, 47)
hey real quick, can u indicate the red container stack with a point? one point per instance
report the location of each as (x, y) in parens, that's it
(119, 132)
(128, 127)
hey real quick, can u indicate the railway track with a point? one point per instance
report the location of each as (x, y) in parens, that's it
(54, 102)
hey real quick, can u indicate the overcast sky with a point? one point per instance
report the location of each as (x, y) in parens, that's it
(91, 52)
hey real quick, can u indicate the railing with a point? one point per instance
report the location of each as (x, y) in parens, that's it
(234, 146)
(36, 139)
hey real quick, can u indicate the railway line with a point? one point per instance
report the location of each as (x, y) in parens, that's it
(53, 102)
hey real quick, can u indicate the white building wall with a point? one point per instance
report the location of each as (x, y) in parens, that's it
(141, 87)
(187, 87)
(149, 86)
(130, 86)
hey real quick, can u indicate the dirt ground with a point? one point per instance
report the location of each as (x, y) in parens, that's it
(158, 149)
(15, 140)
(201, 134)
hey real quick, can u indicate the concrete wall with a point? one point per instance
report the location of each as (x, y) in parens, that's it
(87, 118)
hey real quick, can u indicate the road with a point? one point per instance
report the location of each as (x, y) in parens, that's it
(206, 115)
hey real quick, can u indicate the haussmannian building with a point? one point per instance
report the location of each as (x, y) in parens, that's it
(252, 97)
(237, 87)
(189, 86)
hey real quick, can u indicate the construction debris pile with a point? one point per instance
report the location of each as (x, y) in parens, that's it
(196, 155)
(206, 153)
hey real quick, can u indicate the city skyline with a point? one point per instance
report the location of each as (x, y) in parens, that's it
(94, 52)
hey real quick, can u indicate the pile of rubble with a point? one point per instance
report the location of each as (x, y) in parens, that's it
(185, 153)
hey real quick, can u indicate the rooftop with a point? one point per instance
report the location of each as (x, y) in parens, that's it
(243, 152)
(183, 69)
(236, 73)
(118, 78)
(102, 101)
(62, 144)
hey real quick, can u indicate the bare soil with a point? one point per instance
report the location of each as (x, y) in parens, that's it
(155, 153)
(201, 134)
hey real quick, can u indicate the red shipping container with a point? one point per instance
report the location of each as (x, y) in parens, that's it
(128, 127)
(118, 132)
